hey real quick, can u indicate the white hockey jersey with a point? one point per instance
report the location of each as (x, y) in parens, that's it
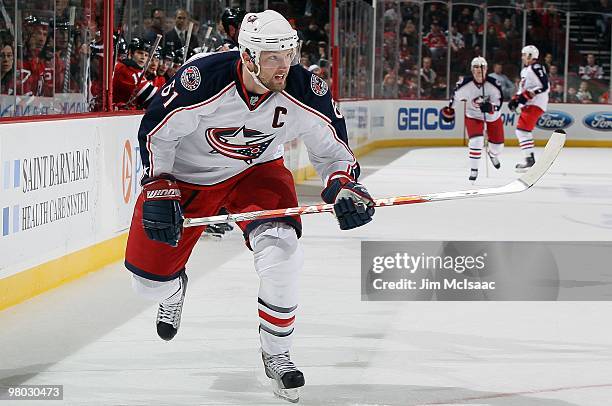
(471, 92)
(204, 127)
(535, 80)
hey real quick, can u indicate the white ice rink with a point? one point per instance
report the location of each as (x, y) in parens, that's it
(98, 339)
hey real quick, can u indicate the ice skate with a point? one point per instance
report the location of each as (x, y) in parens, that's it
(473, 175)
(524, 166)
(285, 377)
(169, 311)
(495, 162)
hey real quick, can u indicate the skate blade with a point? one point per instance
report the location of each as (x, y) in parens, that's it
(521, 170)
(290, 395)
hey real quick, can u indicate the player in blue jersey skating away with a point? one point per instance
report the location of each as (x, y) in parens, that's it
(213, 137)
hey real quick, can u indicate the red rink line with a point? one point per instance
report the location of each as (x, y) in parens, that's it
(510, 394)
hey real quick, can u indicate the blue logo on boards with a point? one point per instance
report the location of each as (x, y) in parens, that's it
(552, 120)
(415, 118)
(600, 121)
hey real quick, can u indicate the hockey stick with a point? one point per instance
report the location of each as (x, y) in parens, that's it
(553, 147)
(205, 47)
(7, 19)
(484, 122)
(69, 46)
(144, 70)
(187, 41)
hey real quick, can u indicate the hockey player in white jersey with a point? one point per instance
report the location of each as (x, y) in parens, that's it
(532, 95)
(484, 97)
(213, 137)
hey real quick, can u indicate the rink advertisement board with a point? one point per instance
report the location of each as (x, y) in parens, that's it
(420, 119)
(485, 270)
(66, 185)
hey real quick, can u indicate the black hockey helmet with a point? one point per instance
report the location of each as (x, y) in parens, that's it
(121, 46)
(32, 20)
(167, 54)
(139, 44)
(232, 17)
(178, 56)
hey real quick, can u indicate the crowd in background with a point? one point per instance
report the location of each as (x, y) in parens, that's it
(48, 53)
(463, 37)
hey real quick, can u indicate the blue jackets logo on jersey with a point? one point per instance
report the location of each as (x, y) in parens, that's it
(239, 142)
(554, 120)
(318, 85)
(600, 121)
(191, 78)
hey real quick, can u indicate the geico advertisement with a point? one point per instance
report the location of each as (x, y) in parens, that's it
(422, 119)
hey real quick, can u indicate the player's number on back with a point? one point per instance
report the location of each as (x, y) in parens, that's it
(166, 91)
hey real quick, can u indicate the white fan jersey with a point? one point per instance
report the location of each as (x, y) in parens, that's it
(535, 80)
(203, 127)
(471, 92)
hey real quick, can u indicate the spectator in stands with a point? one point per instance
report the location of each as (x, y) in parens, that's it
(493, 43)
(409, 34)
(314, 34)
(507, 32)
(584, 95)
(157, 25)
(464, 19)
(428, 79)
(457, 43)
(389, 86)
(604, 98)
(591, 70)
(554, 78)
(548, 61)
(505, 83)
(7, 60)
(305, 61)
(556, 93)
(176, 38)
(471, 37)
(571, 95)
(403, 90)
(435, 40)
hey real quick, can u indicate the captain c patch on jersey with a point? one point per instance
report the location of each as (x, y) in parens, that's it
(318, 85)
(239, 142)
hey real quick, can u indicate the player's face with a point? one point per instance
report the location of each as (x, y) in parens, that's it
(479, 73)
(153, 65)
(274, 68)
(140, 57)
(525, 59)
(6, 59)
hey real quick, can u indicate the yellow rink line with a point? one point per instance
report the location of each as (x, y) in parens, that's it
(34, 281)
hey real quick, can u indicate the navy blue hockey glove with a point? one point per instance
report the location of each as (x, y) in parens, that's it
(162, 216)
(513, 103)
(448, 114)
(486, 107)
(353, 205)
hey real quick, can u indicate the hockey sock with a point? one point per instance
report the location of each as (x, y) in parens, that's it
(475, 145)
(526, 143)
(278, 261)
(154, 290)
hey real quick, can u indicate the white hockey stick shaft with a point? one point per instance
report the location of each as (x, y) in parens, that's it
(553, 147)
(187, 42)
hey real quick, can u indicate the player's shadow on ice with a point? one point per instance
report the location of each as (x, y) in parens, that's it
(413, 395)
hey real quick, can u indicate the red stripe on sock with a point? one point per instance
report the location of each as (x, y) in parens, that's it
(276, 321)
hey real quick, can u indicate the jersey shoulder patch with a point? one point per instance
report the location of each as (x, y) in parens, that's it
(462, 82)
